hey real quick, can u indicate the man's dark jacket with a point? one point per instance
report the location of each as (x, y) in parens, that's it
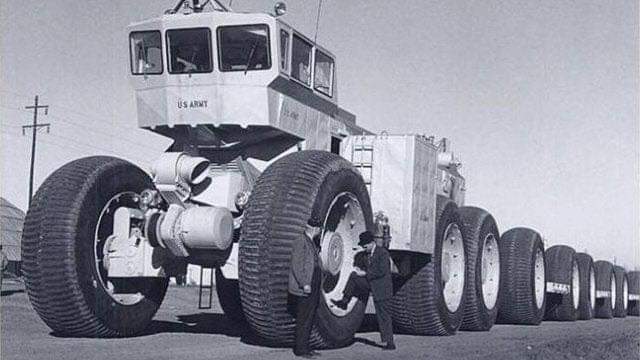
(379, 274)
(303, 258)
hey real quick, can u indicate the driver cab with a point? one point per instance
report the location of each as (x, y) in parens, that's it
(222, 68)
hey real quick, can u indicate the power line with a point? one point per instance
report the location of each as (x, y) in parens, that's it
(34, 130)
(93, 130)
(69, 109)
(75, 144)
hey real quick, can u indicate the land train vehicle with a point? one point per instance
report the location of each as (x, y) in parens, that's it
(260, 146)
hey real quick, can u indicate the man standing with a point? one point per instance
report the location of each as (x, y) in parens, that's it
(304, 284)
(378, 281)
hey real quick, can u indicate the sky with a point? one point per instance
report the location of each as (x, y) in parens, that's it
(539, 98)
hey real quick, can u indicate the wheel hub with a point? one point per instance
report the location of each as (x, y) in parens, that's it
(120, 290)
(539, 278)
(338, 246)
(614, 290)
(332, 255)
(625, 294)
(592, 288)
(575, 284)
(490, 271)
(452, 266)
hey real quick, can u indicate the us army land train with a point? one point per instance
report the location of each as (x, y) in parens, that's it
(260, 146)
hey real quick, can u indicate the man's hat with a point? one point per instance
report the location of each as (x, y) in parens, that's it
(365, 238)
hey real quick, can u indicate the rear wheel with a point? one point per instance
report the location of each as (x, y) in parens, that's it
(431, 301)
(587, 302)
(65, 232)
(605, 289)
(523, 284)
(284, 198)
(483, 268)
(634, 293)
(562, 268)
(622, 292)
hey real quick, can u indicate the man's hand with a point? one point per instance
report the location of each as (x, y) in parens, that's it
(307, 289)
(360, 272)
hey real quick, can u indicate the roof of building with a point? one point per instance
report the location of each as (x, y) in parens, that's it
(11, 221)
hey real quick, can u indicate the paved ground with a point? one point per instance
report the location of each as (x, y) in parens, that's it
(181, 331)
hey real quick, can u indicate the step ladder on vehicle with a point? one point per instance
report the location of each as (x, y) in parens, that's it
(204, 288)
(362, 158)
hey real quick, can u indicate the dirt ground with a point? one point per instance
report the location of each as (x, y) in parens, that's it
(181, 331)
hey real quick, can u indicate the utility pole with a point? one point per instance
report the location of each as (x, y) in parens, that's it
(34, 127)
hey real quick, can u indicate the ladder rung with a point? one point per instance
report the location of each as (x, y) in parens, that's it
(362, 164)
(363, 148)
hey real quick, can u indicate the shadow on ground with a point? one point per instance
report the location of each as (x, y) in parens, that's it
(219, 324)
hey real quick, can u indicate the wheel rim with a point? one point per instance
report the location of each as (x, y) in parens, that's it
(575, 284)
(592, 288)
(452, 267)
(539, 278)
(123, 291)
(338, 246)
(613, 290)
(625, 294)
(490, 271)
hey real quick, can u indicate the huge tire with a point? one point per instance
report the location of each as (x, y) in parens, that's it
(427, 303)
(286, 195)
(634, 293)
(65, 228)
(481, 236)
(523, 284)
(622, 292)
(562, 268)
(587, 303)
(228, 292)
(606, 283)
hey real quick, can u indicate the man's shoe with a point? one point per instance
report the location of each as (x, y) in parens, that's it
(342, 303)
(391, 346)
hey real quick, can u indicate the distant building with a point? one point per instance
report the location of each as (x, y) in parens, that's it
(11, 222)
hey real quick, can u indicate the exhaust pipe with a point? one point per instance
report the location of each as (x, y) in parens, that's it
(174, 166)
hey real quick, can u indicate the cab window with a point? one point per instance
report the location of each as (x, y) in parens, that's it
(244, 48)
(189, 51)
(323, 73)
(146, 52)
(284, 50)
(301, 60)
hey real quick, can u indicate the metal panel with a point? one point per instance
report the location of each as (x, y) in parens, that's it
(401, 180)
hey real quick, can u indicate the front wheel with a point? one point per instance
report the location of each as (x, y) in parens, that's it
(287, 194)
(66, 227)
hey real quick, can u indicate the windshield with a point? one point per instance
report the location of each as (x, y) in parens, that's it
(189, 50)
(244, 48)
(146, 53)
